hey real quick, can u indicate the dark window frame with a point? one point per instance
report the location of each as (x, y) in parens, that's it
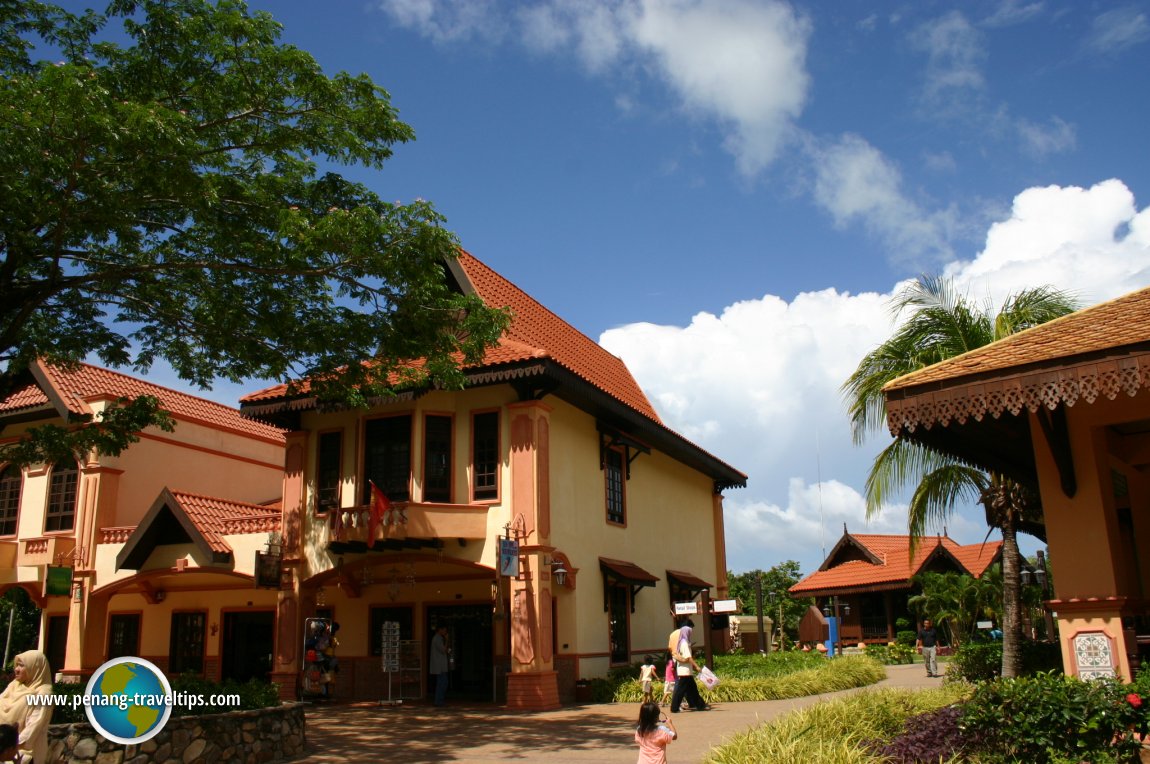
(387, 457)
(327, 489)
(63, 492)
(185, 636)
(438, 466)
(615, 486)
(486, 450)
(619, 644)
(11, 491)
(116, 650)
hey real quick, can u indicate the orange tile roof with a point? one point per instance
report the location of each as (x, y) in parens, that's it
(74, 390)
(214, 518)
(895, 566)
(534, 333)
(1118, 323)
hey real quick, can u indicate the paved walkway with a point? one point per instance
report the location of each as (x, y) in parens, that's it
(602, 733)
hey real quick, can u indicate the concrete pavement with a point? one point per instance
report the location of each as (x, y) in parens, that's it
(602, 733)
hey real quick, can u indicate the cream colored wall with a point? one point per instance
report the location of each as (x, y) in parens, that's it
(193, 458)
(669, 518)
(458, 404)
(669, 525)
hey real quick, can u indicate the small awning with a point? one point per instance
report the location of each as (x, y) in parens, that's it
(623, 572)
(683, 587)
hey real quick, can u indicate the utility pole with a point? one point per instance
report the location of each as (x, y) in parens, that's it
(764, 647)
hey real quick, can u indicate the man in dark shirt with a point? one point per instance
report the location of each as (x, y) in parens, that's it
(927, 646)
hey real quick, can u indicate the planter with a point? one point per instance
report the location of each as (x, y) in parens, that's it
(242, 737)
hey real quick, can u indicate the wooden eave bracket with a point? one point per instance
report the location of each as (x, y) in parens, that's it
(1056, 432)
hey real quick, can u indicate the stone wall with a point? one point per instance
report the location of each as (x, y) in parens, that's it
(242, 737)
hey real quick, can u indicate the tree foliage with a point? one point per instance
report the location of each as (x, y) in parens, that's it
(940, 323)
(776, 583)
(169, 194)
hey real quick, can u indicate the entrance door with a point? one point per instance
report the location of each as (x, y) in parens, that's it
(469, 634)
(56, 642)
(247, 645)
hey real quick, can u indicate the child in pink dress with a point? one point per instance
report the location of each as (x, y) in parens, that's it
(669, 681)
(653, 733)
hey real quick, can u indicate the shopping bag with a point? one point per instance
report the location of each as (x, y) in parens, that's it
(708, 678)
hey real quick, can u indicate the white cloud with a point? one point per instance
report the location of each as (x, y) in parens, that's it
(1040, 140)
(758, 384)
(447, 21)
(1116, 30)
(743, 63)
(1012, 12)
(856, 183)
(739, 63)
(955, 53)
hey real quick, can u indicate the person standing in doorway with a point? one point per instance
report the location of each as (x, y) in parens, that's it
(440, 664)
(927, 646)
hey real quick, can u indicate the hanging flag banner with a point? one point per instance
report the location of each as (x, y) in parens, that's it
(508, 557)
(58, 581)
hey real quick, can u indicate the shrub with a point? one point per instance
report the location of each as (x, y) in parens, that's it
(833, 731)
(982, 661)
(826, 676)
(892, 654)
(908, 638)
(929, 737)
(1050, 717)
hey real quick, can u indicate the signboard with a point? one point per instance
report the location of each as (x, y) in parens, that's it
(724, 606)
(686, 608)
(508, 557)
(58, 581)
(985, 624)
(268, 570)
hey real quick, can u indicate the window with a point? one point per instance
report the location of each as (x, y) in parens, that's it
(437, 458)
(10, 482)
(619, 606)
(485, 455)
(616, 496)
(123, 635)
(327, 471)
(387, 457)
(62, 497)
(186, 648)
(380, 616)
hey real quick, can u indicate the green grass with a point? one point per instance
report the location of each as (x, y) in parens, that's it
(775, 682)
(834, 731)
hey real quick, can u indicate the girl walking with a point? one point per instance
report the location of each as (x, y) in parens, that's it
(653, 733)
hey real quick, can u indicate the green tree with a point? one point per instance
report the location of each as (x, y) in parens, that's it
(957, 602)
(940, 324)
(168, 194)
(775, 582)
(19, 623)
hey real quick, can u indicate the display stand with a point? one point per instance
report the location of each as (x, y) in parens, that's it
(390, 663)
(311, 683)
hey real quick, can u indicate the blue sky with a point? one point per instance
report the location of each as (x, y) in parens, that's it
(725, 193)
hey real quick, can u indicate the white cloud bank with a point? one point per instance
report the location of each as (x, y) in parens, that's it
(758, 385)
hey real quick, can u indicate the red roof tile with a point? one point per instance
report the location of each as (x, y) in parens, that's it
(214, 518)
(74, 390)
(896, 565)
(1117, 323)
(535, 332)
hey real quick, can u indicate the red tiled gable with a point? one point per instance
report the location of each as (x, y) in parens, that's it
(75, 389)
(535, 326)
(1118, 323)
(896, 566)
(535, 332)
(215, 518)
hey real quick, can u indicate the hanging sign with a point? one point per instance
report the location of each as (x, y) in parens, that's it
(508, 557)
(58, 581)
(686, 608)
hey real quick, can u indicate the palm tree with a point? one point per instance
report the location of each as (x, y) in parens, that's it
(941, 324)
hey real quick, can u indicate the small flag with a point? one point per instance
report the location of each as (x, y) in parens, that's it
(380, 507)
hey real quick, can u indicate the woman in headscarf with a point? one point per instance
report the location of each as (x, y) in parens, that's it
(685, 666)
(33, 677)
